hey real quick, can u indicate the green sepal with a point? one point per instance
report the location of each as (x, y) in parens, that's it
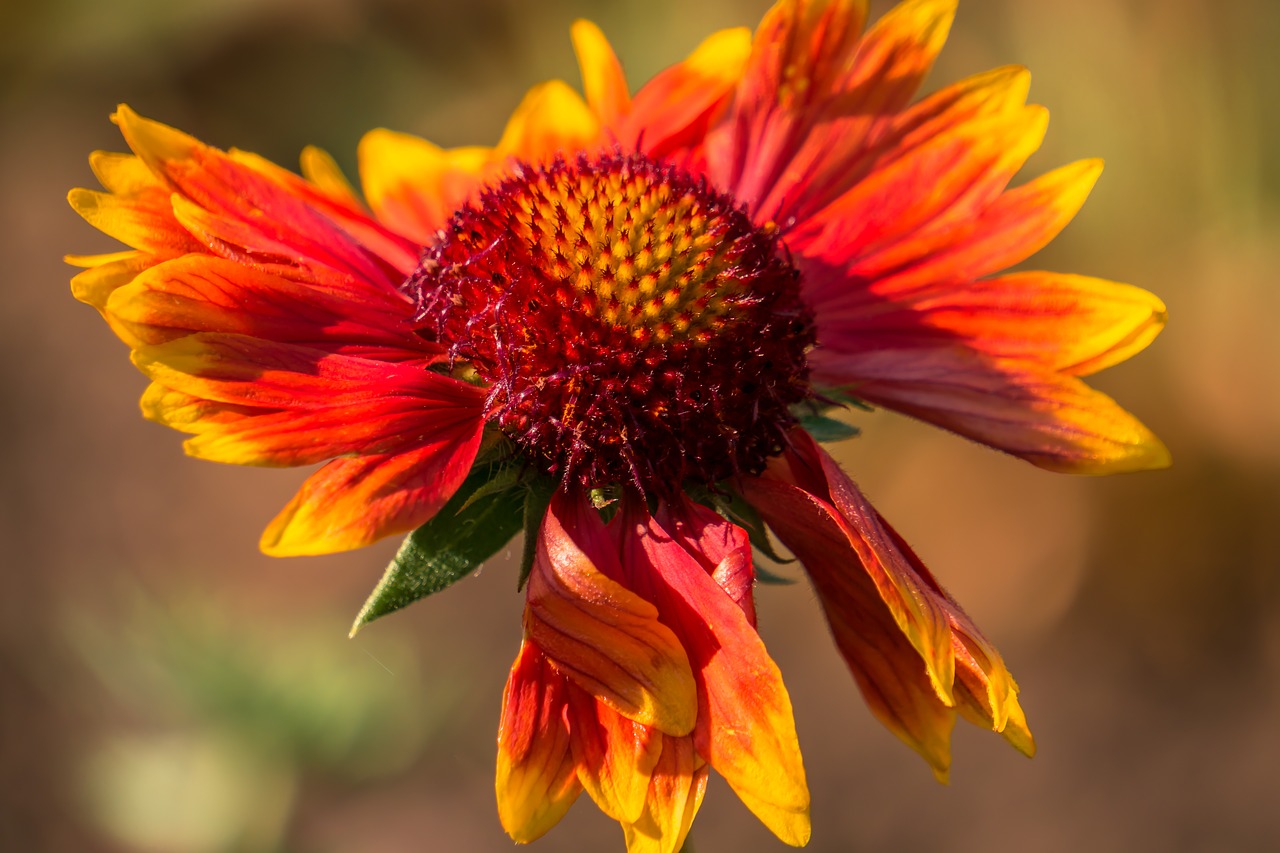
(469, 529)
(537, 497)
(826, 430)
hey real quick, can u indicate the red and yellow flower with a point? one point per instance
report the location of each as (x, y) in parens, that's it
(635, 299)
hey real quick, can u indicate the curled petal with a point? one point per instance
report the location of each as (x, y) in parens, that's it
(237, 210)
(603, 636)
(537, 778)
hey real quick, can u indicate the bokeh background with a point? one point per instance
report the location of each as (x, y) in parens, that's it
(164, 687)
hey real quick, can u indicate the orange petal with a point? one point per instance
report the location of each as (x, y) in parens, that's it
(1051, 420)
(1067, 323)
(242, 212)
(551, 120)
(896, 54)
(799, 55)
(674, 110)
(350, 503)
(615, 755)
(536, 780)
(145, 223)
(746, 729)
(602, 79)
(201, 293)
(414, 186)
(674, 795)
(909, 208)
(311, 406)
(603, 636)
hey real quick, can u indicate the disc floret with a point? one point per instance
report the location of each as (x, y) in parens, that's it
(632, 324)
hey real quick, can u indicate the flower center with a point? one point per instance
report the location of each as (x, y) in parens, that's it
(632, 324)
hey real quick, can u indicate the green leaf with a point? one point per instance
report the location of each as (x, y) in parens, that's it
(538, 492)
(825, 429)
(469, 529)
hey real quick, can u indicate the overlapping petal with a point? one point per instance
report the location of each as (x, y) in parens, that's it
(745, 726)
(608, 639)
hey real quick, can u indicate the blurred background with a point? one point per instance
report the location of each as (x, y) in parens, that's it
(164, 687)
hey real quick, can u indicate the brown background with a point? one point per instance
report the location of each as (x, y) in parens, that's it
(164, 687)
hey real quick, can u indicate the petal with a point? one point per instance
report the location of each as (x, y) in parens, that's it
(602, 79)
(353, 502)
(200, 293)
(723, 549)
(240, 212)
(536, 780)
(1051, 420)
(801, 51)
(896, 54)
(146, 222)
(607, 639)
(334, 197)
(674, 110)
(1013, 227)
(552, 120)
(820, 515)
(746, 729)
(1066, 323)
(615, 756)
(908, 208)
(414, 186)
(304, 406)
(675, 793)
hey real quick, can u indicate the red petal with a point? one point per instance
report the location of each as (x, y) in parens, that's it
(745, 725)
(603, 636)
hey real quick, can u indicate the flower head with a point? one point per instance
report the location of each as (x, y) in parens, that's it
(614, 327)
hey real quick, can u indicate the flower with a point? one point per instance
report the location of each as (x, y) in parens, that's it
(627, 314)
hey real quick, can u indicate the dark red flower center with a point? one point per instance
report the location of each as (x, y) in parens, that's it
(634, 326)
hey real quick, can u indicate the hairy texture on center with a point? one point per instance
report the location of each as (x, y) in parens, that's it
(633, 325)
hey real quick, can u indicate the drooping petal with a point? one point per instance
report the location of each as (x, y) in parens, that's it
(745, 725)
(536, 780)
(414, 186)
(603, 82)
(674, 795)
(846, 547)
(605, 637)
(723, 549)
(615, 756)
